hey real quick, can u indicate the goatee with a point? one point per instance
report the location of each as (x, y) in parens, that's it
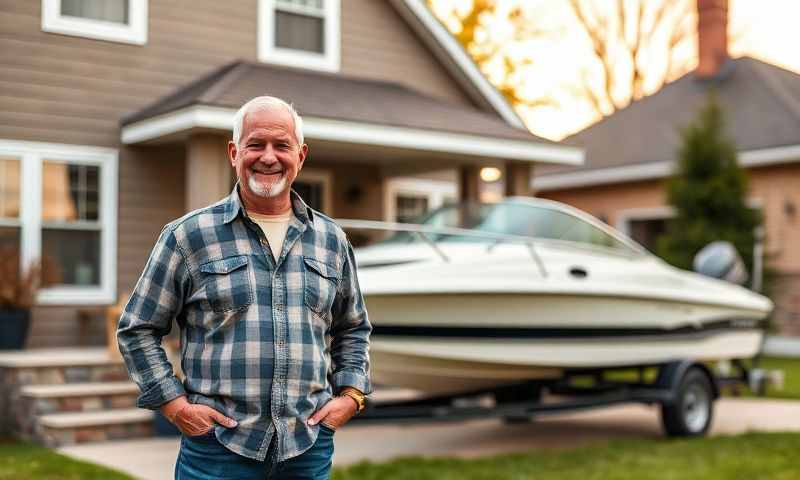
(267, 191)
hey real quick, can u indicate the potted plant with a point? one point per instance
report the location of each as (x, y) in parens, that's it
(18, 288)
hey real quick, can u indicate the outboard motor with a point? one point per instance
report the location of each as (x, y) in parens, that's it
(721, 260)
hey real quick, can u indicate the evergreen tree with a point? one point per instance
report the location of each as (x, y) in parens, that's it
(707, 191)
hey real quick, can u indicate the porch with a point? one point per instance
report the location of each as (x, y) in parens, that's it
(362, 134)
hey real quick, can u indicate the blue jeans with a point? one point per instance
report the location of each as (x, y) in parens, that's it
(204, 458)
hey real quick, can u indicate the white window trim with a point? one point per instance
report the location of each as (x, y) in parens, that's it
(663, 212)
(320, 177)
(32, 155)
(135, 32)
(436, 191)
(269, 53)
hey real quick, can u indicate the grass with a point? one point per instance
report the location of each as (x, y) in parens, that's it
(753, 456)
(791, 372)
(757, 456)
(24, 461)
(789, 366)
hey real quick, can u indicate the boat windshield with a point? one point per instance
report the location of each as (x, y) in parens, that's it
(524, 220)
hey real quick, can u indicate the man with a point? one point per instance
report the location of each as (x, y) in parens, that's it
(274, 332)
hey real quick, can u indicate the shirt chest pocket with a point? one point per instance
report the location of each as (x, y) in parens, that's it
(227, 283)
(321, 281)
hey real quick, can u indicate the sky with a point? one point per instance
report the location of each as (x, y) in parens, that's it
(763, 29)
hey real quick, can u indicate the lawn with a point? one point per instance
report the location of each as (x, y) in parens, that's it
(791, 372)
(758, 456)
(23, 461)
(789, 366)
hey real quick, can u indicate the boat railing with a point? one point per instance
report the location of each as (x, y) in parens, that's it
(422, 232)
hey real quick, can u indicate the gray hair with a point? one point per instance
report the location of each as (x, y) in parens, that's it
(265, 103)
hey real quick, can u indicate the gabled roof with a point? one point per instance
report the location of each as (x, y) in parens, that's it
(762, 112)
(455, 59)
(342, 109)
(333, 96)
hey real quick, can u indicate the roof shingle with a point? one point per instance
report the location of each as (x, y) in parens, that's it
(761, 103)
(334, 96)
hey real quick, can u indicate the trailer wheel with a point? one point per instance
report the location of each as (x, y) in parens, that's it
(691, 412)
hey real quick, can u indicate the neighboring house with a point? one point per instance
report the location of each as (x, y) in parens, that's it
(631, 153)
(114, 117)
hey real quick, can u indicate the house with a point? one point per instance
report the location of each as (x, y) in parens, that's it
(114, 118)
(630, 153)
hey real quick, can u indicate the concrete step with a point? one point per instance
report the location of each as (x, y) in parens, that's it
(60, 366)
(48, 357)
(67, 428)
(38, 400)
(78, 389)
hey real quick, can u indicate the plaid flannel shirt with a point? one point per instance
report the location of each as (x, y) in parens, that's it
(265, 341)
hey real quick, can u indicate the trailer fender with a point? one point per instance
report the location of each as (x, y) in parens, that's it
(671, 374)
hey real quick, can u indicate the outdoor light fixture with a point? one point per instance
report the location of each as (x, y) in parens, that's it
(490, 174)
(789, 208)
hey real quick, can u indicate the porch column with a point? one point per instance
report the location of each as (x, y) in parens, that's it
(469, 183)
(208, 171)
(518, 179)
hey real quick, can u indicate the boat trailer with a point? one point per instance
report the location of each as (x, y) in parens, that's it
(685, 390)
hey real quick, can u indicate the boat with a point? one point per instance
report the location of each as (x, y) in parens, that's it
(475, 297)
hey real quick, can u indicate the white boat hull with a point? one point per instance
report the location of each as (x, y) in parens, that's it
(442, 344)
(443, 365)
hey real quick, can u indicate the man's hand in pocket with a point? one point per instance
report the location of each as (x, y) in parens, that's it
(194, 419)
(335, 413)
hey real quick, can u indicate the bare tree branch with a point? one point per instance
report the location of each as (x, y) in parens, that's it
(632, 42)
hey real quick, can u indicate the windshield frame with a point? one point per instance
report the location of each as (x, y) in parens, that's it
(626, 246)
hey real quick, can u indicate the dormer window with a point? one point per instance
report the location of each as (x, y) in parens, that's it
(300, 33)
(122, 21)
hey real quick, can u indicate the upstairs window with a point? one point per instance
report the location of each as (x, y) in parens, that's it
(300, 33)
(113, 20)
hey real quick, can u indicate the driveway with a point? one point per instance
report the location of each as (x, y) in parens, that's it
(155, 458)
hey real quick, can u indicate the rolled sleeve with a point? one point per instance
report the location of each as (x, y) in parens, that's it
(357, 380)
(152, 307)
(350, 332)
(162, 392)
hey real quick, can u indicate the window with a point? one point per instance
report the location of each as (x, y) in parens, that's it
(300, 33)
(71, 227)
(408, 198)
(314, 187)
(646, 231)
(310, 192)
(58, 206)
(114, 20)
(10, 177)
(410, 208)
(646, 225)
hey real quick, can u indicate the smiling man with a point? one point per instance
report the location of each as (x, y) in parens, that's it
(274, 332)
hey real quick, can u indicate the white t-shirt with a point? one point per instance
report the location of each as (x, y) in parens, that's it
(274, 228)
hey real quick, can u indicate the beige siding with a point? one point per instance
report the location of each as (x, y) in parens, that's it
(67, 89)
(64, 89)
(607, 201)
(75, 90)
(59, 326)
(151, 184)
(378, 43)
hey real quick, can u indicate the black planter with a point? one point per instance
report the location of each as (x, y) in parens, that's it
(14, 326)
